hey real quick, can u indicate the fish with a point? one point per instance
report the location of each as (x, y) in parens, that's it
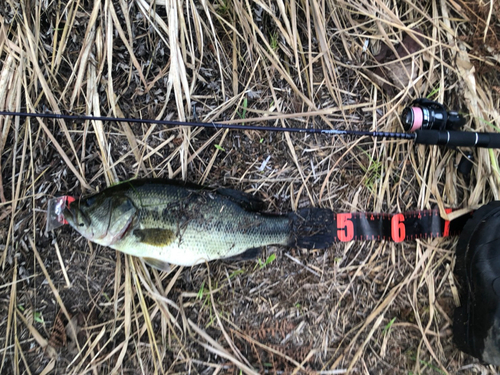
(171, 222)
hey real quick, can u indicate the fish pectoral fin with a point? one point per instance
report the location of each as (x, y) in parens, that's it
(155, 236)
(248, 254)
(245, 200)
(156, 263)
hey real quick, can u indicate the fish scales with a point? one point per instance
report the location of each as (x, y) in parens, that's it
(170, 222)
(206, 226)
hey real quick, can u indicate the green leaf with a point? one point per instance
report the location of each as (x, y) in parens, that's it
(433, 92)
(245, 106)
(389, 325)
(270, 259)
(262, 264)
(200, 293)
(236, 273)
(244, 112)
(37, 316)
(274, 41)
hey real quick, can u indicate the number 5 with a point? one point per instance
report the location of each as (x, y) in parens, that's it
(345, 227)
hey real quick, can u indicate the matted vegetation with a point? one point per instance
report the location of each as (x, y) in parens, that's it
(70, 307)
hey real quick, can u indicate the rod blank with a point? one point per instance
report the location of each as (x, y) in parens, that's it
(425, 137)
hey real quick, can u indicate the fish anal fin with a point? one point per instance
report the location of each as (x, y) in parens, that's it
(155, 236)
(157, 263)
(248, 254)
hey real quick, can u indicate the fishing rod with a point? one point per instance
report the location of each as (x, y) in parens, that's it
(430, 126)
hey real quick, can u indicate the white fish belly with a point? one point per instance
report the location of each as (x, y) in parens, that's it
(192, 248)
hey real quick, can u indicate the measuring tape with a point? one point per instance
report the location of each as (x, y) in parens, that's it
(396, 227)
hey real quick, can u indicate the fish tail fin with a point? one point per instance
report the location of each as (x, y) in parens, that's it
(312, 228)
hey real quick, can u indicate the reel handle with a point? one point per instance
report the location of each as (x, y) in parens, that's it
(452, 138)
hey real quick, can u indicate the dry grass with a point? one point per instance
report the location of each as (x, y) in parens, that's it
(69, 307)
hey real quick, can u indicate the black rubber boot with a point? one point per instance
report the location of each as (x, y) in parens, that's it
(476, 325)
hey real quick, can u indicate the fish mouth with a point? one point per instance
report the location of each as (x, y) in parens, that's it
(71, 216)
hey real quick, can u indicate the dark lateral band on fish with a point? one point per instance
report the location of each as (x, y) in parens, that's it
(155, 236)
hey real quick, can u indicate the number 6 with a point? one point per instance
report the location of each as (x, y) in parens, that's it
(398, 229)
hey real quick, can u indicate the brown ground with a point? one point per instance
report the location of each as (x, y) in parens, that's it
(364, 307)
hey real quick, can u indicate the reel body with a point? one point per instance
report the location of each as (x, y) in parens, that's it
(426, 114)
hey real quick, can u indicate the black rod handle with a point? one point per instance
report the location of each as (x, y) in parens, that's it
(452, 138)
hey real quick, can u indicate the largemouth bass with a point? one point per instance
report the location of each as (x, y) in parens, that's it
(169, 222)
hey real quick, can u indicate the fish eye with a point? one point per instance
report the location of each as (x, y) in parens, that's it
(84, 219)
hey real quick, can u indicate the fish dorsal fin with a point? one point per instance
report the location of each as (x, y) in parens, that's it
(245, 200)
(156, 263)
(158, 237)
